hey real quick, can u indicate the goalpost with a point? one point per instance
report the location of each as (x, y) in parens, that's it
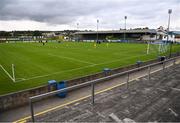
(163, 48)
(148, 45)
(157, 47)
(12, 77)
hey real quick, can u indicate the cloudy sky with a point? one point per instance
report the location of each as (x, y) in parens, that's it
(65, 14)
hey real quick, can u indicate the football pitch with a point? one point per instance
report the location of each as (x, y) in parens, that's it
(35, 64)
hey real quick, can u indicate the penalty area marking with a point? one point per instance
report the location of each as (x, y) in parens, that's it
(7, 73)
(80, 68)
(73, 59)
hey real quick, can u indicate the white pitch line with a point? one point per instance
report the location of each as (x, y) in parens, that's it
(20, 79)
(7, 73)
(55, 73)
(59, 56)
(35, 77)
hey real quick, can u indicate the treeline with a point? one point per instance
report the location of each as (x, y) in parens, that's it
(20, 33)
(34, 33)
(5, 34)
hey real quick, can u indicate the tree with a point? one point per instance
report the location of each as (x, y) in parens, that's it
(37, 33)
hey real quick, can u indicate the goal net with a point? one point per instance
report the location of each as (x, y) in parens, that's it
(157, 47)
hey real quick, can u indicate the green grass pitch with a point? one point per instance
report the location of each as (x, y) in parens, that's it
(35, 64)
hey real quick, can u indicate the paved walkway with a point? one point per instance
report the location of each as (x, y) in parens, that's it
(74, 96)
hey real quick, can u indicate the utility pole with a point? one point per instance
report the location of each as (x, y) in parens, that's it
(77, 26)
(125, 18)
(169, 12)
(97, 32)
(77, 30)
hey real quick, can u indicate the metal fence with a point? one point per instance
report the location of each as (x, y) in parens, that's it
(93, 82)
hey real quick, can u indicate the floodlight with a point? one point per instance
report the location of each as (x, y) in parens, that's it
(125, 17)
(169, 11)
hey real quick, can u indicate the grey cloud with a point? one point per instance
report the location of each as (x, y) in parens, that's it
(110, 12)
(52, 11)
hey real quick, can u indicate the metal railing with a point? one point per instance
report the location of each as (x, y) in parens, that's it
(93, 82)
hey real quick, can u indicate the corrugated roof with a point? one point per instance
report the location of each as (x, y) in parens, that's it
(176, 32)
(120, 31)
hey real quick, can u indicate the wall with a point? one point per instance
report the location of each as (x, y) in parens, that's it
(148, 37)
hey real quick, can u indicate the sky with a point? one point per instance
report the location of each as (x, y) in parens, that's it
(56, 15)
